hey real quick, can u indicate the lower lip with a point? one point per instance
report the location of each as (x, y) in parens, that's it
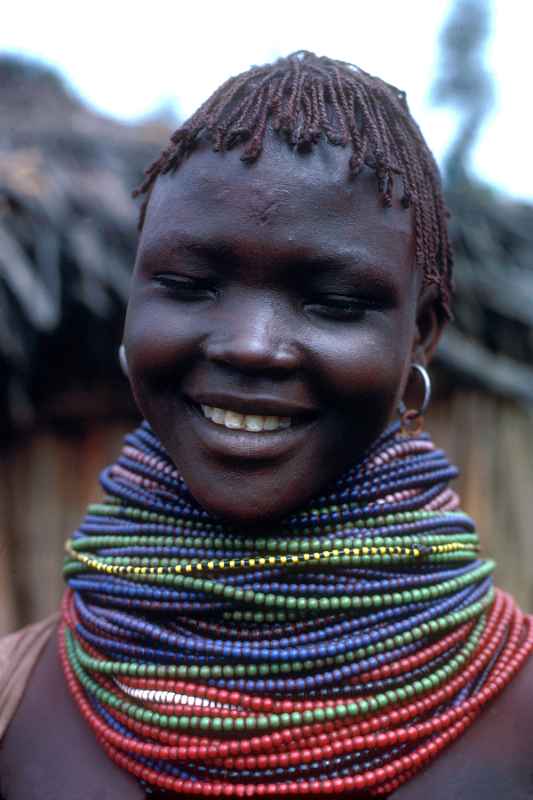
(248, 444)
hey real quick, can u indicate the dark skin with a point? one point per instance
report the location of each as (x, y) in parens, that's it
(281, 288)
(314, 304)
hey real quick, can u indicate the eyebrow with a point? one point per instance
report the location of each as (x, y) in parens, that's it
(327, 261)
(353, 272)
(216, 250)
(356, 265)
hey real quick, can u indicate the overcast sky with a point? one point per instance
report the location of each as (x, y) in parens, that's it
(130, 58)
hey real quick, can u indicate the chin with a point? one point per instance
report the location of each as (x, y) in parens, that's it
(242, 510)
(255, 519)
(248, 501)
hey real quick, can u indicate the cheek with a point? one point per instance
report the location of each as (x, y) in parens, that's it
(363, 375)
(160, 345)
(365, 364)
(158, 338)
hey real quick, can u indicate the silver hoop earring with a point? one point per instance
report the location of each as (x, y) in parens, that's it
(412, 419)
(123, 360)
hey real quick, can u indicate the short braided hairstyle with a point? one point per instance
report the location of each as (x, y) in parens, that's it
(305, 98)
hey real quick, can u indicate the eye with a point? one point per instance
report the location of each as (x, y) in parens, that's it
(339, 307)
(185, 288)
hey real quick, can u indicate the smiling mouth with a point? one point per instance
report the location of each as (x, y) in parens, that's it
(254, 423)
(233, 433)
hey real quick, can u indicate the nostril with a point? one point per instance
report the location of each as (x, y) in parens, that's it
(247, 354)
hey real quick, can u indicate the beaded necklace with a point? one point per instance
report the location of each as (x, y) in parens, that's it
(341, 653)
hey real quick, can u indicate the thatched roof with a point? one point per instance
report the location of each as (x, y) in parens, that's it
(491, 340)
(67, 240)
(67, 234)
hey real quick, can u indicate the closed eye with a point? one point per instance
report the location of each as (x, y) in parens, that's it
(185, 288)
(342, 308)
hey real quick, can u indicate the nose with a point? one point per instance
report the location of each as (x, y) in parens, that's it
(253, 337)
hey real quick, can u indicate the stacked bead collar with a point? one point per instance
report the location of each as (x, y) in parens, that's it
(340, 653)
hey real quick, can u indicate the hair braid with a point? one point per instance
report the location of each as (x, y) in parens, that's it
(305, 97)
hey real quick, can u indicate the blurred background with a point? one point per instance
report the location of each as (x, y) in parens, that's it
(89, 96)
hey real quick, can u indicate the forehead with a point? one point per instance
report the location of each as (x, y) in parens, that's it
(293, 200)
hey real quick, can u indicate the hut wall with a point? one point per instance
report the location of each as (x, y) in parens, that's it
(47, 479)
(491, 441)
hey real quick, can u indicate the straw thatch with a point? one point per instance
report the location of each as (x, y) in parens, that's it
(67, 237)
(491, 341)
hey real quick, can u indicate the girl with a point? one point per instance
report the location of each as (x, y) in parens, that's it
(280, 595)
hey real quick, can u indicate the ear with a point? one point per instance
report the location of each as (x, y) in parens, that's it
(429, 326)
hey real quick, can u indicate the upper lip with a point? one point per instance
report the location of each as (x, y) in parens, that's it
(261, 405)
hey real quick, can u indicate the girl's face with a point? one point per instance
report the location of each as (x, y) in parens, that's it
(282, 297)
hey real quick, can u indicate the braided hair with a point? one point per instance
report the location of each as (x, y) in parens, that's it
(305, 98)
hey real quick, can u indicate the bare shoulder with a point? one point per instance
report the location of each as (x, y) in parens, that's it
(503, 738)
(66, 762)
(492, 759)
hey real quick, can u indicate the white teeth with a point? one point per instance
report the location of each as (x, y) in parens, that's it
(233, 420)
(254, 423)
(217, 415)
